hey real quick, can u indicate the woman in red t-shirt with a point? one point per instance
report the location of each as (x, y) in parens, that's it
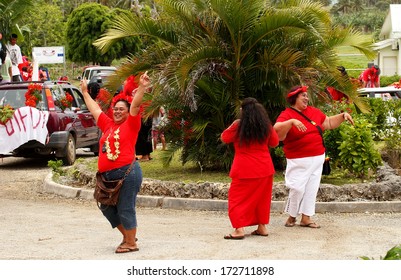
(252, 171)
(305, 153)
(117, 153)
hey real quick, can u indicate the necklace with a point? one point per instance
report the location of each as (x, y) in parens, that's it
(116, 136)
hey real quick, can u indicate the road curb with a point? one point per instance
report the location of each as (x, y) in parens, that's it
(221, 205)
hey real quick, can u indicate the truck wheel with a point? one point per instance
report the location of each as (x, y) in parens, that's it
(70, 151)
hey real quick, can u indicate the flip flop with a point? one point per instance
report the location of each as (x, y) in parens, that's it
(121, 250)
(233, 237)
(290, 224)
(256, 232)
(310, 225)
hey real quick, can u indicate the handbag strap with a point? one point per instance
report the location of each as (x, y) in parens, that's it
(127, 171)
(312, 122)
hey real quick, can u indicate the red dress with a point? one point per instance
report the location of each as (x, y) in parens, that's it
(252, 171)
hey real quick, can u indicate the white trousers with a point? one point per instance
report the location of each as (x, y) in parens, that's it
(302, 177)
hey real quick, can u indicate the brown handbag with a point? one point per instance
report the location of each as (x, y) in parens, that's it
(107, 192)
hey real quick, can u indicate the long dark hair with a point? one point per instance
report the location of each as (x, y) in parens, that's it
(254, 122)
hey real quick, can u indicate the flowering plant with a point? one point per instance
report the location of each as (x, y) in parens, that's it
(64, 102)
(6, 113)
(104, 99)
(33, 95)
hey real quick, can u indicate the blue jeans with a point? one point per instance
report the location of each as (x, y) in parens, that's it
(124, 212)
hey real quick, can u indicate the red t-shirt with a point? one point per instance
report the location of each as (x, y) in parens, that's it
(127, 138)
(369, 76)
(300, 144)
(250, 161)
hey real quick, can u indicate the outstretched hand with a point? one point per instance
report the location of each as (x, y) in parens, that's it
(84, 85)
(347, 117)
(144, 80)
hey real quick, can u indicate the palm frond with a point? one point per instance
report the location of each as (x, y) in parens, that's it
(128, 26)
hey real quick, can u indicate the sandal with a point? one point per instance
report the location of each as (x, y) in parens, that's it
(234, 237)
(290, 224)
(310, 225)
(122, 249)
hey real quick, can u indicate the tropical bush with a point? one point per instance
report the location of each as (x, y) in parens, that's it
(358, 153)
(392, 254)
(208, 55)
(388, 80)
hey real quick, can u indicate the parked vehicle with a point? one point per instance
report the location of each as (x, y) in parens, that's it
(385, 93)
(91, 71)
(67, 128)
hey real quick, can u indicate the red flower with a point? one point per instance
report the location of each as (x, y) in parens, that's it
(33, 95)
(104, 99)
(64, 102)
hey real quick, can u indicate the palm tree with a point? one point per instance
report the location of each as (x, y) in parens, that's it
(11, 11)
(210, 54)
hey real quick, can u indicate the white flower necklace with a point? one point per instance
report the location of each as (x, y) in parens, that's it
(110, 155)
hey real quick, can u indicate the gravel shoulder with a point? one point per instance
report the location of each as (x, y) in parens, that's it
(41, 226)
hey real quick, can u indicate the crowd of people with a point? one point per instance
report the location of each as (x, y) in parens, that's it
(14, 66)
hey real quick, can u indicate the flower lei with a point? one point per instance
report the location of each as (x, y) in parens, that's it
(64, 102)
(110, 155)
(33, 95)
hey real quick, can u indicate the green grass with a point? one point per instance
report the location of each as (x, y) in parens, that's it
(189, 172)
(351, 58)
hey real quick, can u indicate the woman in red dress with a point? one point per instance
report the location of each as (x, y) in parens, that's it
(252, 171)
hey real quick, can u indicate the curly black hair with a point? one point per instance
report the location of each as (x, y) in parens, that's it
(255, 124)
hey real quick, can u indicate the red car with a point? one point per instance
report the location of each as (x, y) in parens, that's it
(50, 125)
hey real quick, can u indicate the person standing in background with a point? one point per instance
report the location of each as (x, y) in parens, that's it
(157, 128)
(370, 78)
(14, 52)
(1, 54)
(252, 170)
(6, 71)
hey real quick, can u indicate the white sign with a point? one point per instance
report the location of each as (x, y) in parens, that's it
(27, 124)
(48, 55)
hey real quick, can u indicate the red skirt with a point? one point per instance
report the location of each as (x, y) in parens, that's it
(249, 201)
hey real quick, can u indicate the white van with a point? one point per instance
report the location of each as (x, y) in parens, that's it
(385, 93)
(92, 71)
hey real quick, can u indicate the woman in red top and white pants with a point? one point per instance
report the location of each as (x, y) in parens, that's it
(305, 153)
(252, 171)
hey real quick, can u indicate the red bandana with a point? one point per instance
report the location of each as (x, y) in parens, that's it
(298, 90)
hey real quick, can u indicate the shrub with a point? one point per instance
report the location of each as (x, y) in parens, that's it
(357, 151)
(392, 254)
(388, 80)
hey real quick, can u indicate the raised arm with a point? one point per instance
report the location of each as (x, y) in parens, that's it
(144, 83)
(92, 105)
(335, 121)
